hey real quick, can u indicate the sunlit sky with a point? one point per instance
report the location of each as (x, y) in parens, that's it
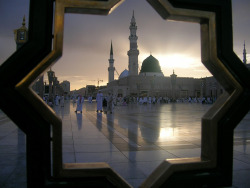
(87, 40)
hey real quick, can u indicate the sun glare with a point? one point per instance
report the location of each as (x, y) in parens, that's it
(168, 133)
(178, 61)
(173, 61)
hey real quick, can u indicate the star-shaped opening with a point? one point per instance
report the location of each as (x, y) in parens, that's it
(217, 123)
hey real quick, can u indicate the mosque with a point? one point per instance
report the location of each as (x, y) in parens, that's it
(150, 80)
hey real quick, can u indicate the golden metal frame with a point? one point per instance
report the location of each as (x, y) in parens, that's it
(210, 121)
(65, 170)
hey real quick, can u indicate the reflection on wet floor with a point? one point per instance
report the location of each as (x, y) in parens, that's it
(133, 140)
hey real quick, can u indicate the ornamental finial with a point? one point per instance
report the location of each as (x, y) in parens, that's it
(23, 21)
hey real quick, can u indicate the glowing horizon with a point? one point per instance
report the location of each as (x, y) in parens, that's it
(87, 40)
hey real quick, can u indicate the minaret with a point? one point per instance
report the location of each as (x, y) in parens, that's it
(21, 35)
(133, 52)
(111, 68)
(244, 55)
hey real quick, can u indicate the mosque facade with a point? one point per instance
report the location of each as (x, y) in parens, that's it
(150, 80)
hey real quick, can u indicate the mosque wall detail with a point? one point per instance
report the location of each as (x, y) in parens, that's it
(183, 87)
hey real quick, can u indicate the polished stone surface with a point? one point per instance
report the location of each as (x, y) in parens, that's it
(133, 140)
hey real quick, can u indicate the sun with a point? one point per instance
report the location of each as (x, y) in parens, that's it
(184, 65)
(172, 61)
(183, 61)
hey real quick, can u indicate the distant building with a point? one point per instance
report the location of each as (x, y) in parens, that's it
(55, 88)
(75, 93)
(66, 87)
(150, 81)
(90, 90)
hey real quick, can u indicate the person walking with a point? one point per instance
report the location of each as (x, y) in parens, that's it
(104, 105)
(99, 98)
(79, 103)
(74, 99)
(57, 100)
(90, 99)
(62, 101)
(110, 103)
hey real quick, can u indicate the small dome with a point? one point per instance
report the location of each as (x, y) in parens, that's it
(124, 74)
(150, 64)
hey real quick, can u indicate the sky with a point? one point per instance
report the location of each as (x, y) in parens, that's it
(87, 40)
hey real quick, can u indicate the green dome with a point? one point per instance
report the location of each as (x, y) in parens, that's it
(150, 64)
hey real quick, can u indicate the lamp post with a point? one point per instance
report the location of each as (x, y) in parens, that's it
(21, 35)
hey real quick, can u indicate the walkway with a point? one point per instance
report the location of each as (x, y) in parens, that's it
(133, 140)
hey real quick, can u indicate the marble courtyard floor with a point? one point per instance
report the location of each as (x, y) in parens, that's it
(133, 140)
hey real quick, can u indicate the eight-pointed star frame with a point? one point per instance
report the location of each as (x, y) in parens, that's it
(217, 124)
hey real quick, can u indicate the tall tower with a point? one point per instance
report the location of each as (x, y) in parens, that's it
(21, 35)
(133, 52)
(244, 55)
(111, 67)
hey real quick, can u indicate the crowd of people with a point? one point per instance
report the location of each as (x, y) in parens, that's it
(103, 103)
(106, 103)
(123, 101)
(57, 101)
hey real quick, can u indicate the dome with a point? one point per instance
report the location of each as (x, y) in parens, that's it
(150, 64)
(124, 74)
